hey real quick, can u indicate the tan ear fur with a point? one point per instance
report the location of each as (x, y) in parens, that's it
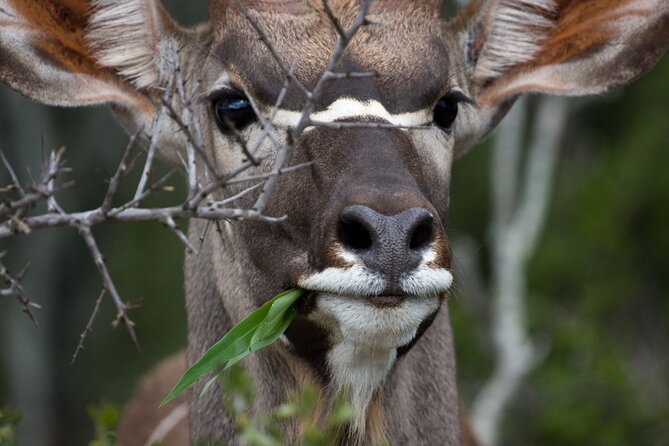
(45, 56)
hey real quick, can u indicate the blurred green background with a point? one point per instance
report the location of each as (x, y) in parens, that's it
(598, 284)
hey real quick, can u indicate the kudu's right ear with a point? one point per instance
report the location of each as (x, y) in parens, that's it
(83, 52)
(564, 47)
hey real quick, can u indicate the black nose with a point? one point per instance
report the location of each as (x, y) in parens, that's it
(391, 244)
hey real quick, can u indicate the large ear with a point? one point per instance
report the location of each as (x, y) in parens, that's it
(565, 47)
(82, 52)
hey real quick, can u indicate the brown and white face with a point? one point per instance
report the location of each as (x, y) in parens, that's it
(365, 227)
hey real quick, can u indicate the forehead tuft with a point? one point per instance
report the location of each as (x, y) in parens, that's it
(403, 46)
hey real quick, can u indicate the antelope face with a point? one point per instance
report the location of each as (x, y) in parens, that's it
(365, 220)
(365, 227)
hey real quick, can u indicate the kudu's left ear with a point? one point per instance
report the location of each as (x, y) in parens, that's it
(565, 47)
(83, 52)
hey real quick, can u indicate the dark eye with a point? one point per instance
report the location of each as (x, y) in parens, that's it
(445, 112)
(233, 113)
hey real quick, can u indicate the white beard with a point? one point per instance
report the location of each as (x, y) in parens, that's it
(365, 339)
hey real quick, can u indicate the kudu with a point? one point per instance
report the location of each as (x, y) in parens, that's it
(365, 221)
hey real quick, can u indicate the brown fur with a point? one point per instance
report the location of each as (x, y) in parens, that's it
(141, 415)
(580, 27)
(58, 30)
(60, 27)
(376, 422)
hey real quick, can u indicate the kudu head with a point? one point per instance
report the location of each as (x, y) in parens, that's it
(365, 220)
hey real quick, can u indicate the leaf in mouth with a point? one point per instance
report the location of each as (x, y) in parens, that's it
(257, 330)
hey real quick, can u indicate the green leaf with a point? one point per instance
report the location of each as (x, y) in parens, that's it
(276, 316)
(257, 330)
(277, 331)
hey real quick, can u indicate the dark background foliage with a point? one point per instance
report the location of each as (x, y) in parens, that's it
(598, 285)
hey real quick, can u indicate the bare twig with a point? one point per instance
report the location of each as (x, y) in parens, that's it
(311, 97)
(153, 142)
(277, 58)
(98, 259)
(97, 216)
(89, 327)
(170, 223)
(265, 176)
(187, 115)
(235, 197)
(52, 204)
(12, 174)
(14, 289)
(121, 171)
(239, 139)
(158, 185)
(179, 121)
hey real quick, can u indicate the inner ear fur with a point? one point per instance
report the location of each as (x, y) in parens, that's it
(131, 37)
(564, 47)
(46, 57)
(568, 47)
(82, 52)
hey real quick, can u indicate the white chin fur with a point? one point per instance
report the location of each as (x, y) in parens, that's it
(364, 340)
(360, 322)
(357, 372)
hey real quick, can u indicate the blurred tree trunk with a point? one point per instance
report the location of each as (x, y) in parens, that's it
(518, 215)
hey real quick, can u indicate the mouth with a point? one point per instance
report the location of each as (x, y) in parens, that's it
(362, 307)
(386, 300)
(308, 302)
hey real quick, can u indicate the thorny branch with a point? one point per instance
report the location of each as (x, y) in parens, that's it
(12, 288)
(20, 204)
(89, 327)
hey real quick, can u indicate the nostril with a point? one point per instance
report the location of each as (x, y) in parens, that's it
(354, 235)
(421, 236)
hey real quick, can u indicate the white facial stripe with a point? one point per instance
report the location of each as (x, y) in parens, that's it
(222, 83)
(349, 108)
